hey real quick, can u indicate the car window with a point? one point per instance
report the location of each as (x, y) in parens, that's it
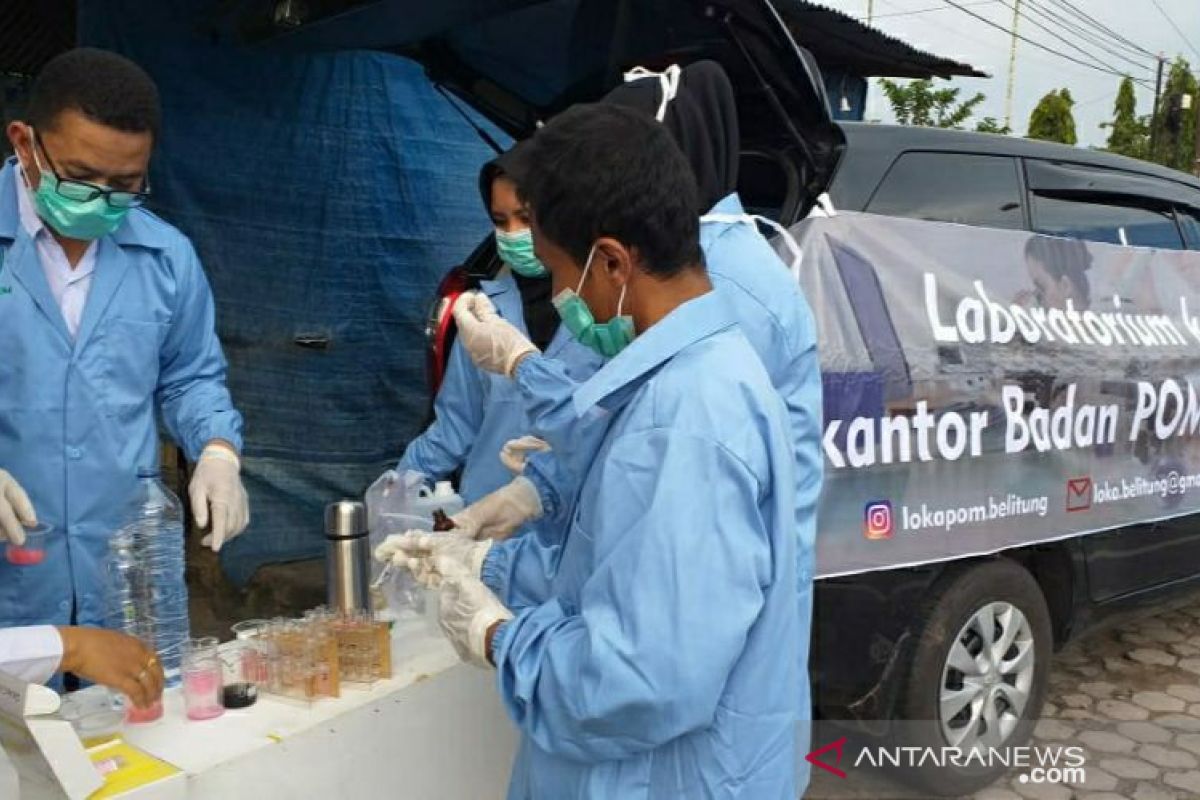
(1106, 222)
(1191, 228)
(952, 187)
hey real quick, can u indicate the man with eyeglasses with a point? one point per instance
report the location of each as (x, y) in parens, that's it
(106, 318)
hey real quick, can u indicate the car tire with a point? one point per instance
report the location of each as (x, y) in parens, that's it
(951, 627)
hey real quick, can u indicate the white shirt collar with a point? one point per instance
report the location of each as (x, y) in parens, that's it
(48, 246)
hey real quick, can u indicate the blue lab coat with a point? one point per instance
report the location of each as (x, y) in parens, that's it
(77, 418)
(477, 412)
(667, 659)
(775, 318)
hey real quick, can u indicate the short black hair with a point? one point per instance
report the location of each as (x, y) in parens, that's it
(601, 170)
(105, 87)
(1063, 257)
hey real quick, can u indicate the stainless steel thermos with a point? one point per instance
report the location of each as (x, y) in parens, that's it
(347, 556)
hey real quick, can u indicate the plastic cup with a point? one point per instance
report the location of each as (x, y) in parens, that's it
(33, 552)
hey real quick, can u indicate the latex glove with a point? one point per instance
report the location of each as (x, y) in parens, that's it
(115, 660)
(466, 611)
(434, 557)
(218, 496)
(516, 451)
(494, 343)
(16, 512)
(497, 515)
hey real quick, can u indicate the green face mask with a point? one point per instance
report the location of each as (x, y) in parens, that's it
(71, 217)
(516, 250)
(606, 338)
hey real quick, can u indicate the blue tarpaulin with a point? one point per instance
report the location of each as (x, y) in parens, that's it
(326, 194)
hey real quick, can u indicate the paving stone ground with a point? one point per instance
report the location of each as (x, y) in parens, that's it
(1129, 695)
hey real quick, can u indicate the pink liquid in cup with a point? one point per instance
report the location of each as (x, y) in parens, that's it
(24, 556)
(135, 715)
(33, 551)
(202, 693)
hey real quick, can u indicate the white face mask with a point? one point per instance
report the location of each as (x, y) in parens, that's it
(668, 80)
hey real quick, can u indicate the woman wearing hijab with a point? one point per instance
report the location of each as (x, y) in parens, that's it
(476, 413)
(696, 105)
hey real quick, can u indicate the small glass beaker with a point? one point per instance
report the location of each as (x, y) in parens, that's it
(138, 716)
(249, 628)
(252, 648)
(202, 679)
(245, 670)
(33, 551)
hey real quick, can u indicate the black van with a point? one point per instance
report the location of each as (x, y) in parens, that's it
(882, 641)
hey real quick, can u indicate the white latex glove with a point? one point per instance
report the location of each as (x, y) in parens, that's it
(497, 515)
(467, 609)
(516, 451)
(16, 512)
(434, 557)
(218, 496)
(494, 343)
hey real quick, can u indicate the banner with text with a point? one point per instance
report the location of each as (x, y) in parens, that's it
(986, 389)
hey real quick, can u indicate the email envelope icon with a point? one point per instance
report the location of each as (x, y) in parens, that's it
(1079, 494)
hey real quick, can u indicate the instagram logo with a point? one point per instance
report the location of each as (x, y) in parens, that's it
(877, 520)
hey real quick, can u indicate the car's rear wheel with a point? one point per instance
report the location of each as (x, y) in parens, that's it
(978, 675)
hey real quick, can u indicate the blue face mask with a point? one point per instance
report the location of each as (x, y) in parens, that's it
(516, 250)
(606, 338)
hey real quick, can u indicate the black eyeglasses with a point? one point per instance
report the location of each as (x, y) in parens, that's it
(84, 192)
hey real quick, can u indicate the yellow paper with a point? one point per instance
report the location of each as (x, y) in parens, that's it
(134, 768)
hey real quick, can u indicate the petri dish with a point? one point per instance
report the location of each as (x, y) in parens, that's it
(33, 552)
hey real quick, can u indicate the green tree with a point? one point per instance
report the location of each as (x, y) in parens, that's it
(919, 103)
(1052, 120)
(1130, 134)
(1174, 128)
(992, 125)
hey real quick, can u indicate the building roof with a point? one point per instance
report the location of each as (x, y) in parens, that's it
(840, 40)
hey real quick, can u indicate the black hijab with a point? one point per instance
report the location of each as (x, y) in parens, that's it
(541, 320)
(702, 119)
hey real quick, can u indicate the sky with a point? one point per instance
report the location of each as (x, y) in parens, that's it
(952, 33)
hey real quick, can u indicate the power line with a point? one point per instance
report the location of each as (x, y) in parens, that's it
(1036, 44)
(927, 10)
(1106, 96)
(1070, 7)
(1167, 17)
(1100, 64)
(958, 33)
(1087, 36)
